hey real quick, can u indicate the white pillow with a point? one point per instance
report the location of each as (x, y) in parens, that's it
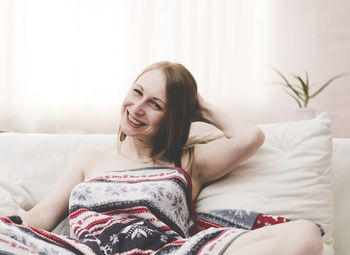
(13, 195)
(290, 175)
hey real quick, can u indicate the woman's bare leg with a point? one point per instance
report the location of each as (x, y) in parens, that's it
(291, 238)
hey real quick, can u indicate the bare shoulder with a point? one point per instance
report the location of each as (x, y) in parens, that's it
(87, 154)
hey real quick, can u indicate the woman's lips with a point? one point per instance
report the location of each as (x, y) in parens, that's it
(134, 122)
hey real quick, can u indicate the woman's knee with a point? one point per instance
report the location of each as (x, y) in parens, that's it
(308, 236)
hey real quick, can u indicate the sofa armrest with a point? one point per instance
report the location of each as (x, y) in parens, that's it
(341, 191)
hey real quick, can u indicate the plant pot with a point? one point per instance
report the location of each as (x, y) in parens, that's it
(303, 114)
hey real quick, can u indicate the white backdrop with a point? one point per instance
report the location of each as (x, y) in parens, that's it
(66, 64)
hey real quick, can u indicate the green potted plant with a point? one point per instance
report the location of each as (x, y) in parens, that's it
(300, 90)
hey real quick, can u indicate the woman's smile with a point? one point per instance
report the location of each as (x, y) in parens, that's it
(144, 106)
(134, 122)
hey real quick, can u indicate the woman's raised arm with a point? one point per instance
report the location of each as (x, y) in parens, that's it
(241, 140)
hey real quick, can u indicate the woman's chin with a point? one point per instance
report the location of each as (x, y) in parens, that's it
(131, 132)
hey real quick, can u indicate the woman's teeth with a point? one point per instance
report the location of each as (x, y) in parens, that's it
(134, 121)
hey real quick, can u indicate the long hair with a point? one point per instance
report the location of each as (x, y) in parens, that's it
(181, 93)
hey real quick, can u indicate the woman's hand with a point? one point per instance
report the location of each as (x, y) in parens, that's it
(202, 109)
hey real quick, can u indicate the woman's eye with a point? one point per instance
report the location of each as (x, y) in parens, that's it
(138, 91)
(157, 106)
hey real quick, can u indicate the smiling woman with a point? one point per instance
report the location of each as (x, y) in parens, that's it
(142, 105)
(163, 99)
(136, 198)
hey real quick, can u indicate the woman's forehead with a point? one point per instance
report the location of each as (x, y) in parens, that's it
(153, 81)
(154, 76)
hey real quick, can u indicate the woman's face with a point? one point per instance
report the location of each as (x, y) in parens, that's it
(144, 106)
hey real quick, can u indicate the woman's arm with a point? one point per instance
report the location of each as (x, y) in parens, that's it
(54, 207)
(241, 140)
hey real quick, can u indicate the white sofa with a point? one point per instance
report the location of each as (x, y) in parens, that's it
(290, 175)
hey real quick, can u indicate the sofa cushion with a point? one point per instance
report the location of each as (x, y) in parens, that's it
(39, 158)
(13, 194)
(290, 175)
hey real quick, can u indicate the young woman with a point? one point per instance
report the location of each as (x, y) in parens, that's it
(136, 197)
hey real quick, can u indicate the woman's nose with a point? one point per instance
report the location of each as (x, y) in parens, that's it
(138, 107)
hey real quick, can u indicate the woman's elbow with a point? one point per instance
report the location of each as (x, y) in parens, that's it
(257, 139)
(260, 137)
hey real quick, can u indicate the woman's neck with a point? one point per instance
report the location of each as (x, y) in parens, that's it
(136, 149)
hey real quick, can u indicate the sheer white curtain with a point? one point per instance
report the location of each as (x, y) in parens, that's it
(66, 65)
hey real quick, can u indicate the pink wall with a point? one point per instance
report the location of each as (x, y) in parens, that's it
(312, 36)
(333, 56)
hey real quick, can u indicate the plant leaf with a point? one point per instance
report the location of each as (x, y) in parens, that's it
(326, 84)
(303, 84)
(286, 81)
(285, 85)
(307, 79)
(295, 98)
